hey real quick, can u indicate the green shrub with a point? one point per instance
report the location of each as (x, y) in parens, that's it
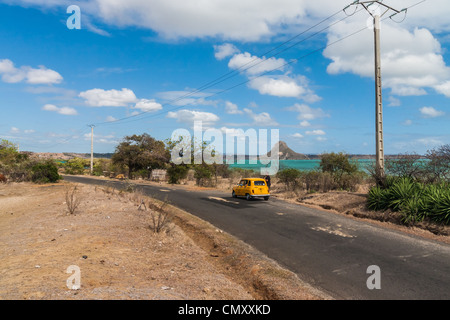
(45, 172)
(202, 174)
(76, 166)
(315, 181)
(177, 172)
(238, 173)
(337, 164)
(289, 177)
(350, 181)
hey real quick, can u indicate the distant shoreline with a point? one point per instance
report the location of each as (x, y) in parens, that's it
(72, 155)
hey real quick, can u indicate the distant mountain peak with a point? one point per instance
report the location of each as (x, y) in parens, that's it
(286, 153)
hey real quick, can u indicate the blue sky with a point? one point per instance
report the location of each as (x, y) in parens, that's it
(137, 58)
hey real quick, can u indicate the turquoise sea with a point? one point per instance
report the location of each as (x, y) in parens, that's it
(303, 165)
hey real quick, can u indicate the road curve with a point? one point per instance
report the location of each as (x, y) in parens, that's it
(331, 252)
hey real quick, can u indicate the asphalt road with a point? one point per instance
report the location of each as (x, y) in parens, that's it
(331, 252)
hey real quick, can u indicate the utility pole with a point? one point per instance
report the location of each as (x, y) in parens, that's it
(92, 149)
(380, 173)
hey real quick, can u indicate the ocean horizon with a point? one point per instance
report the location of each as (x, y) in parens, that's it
(302, 165)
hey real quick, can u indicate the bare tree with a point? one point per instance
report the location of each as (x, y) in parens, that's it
(408, 165)
(438, 166)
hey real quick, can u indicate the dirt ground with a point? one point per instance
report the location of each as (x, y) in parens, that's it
(119, 257)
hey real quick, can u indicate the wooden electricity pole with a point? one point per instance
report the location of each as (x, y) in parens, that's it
(380, 172)
(92, 149)
(378, 102)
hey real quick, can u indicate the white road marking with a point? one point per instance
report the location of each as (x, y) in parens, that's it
(336, 232)
(164, 190)
(223, 200)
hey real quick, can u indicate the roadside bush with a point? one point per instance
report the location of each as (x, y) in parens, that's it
(237, 173)
(317, 181)
(202, 174)
(14, 165)
(350, 181)
(337, 164)
(221, 170)
(45, 172)
(17, 171)
(101, 166)
(75, 166)
(175, 173)
(344, 172)
(289, 177)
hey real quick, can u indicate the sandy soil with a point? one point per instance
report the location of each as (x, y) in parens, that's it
(118, 254)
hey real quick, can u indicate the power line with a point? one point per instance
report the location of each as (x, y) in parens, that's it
(233, 73)
(256, 77)
(227, 75)
(242, 68)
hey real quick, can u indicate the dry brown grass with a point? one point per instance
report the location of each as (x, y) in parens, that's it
(73, 198)
(119, 257)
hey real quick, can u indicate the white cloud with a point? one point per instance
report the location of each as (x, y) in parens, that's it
(278, 86)
(228, 19)
(232, 108)
(297, 135)
(146, 105)
(394, 102)
(306, 113)
(43, 76)
(260, 119)
(109, 98)
(305, 123)
(253, 65)
(7, 66)
(430, 112)
(316, 133)
(63, 110)
(444, 88)
(185, 98)
(248, 20)
(189, 116)
(11, 74)
(412, 61)
(110, 119)
(14, 130)
(257, 70)
(224, 51)
(98, 138)
(407, 122)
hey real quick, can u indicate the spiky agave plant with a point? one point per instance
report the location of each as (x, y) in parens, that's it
(378, 199)
(401, 191)
(439, 199)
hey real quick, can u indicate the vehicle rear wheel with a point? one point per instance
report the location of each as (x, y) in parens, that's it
(234, 195)
(248, 197)
(266, 198)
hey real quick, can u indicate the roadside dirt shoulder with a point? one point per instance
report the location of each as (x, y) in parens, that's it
(120, 257)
